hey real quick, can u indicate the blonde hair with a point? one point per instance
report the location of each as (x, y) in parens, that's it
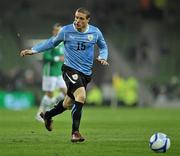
(84, 11)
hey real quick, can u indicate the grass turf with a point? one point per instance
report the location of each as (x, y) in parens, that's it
(108, 132)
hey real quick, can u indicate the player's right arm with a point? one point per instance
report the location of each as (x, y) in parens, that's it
(44, 46)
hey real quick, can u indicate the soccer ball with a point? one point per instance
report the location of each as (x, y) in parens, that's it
(159, 142)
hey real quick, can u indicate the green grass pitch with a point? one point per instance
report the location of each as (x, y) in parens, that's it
(108, 132)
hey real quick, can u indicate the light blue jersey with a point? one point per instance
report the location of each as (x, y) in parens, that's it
(78, 47)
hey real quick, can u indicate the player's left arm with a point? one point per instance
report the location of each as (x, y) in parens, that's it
(103, 49)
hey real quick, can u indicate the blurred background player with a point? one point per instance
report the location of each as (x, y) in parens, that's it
(52, 76)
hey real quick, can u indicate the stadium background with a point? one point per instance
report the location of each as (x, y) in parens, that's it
(143, 39)
(141, 84)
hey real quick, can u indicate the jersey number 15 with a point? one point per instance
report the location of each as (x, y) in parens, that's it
(81, 46)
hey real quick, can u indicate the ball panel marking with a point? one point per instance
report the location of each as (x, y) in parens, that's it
(159, 142)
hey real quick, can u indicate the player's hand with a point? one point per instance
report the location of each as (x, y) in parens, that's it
(103, 62)
(26, 52)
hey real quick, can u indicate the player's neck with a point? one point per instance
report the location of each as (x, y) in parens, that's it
(82, 29)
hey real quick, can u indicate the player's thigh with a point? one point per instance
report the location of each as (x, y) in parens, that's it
(68, 102)
(76, 83)
(48, 83)
(80, 94)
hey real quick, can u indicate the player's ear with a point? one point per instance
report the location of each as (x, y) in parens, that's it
(88, 19)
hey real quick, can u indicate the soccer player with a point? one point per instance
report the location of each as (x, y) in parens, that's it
(79, 40)
(52, 75)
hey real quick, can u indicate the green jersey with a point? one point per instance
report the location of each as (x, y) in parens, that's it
(52, 64)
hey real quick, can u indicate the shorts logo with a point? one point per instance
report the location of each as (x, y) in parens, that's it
(75, 76)
(90, 37)
(70, 79)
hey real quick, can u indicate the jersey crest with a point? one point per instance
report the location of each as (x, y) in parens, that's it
(90, 37)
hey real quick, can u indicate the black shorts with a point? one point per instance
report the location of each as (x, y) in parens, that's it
(74, 80)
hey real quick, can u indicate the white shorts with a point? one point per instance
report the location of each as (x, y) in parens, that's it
(50, 83)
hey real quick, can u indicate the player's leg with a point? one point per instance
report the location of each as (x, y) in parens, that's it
(76, 83)
(58, 109)
(80, 96)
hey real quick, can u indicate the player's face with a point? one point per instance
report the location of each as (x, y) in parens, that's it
(55, 31)
(81, 20)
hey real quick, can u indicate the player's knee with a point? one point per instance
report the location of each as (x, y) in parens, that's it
(80, 98)
(67, 105)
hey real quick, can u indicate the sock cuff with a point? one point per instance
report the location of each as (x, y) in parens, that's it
(78, 103)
